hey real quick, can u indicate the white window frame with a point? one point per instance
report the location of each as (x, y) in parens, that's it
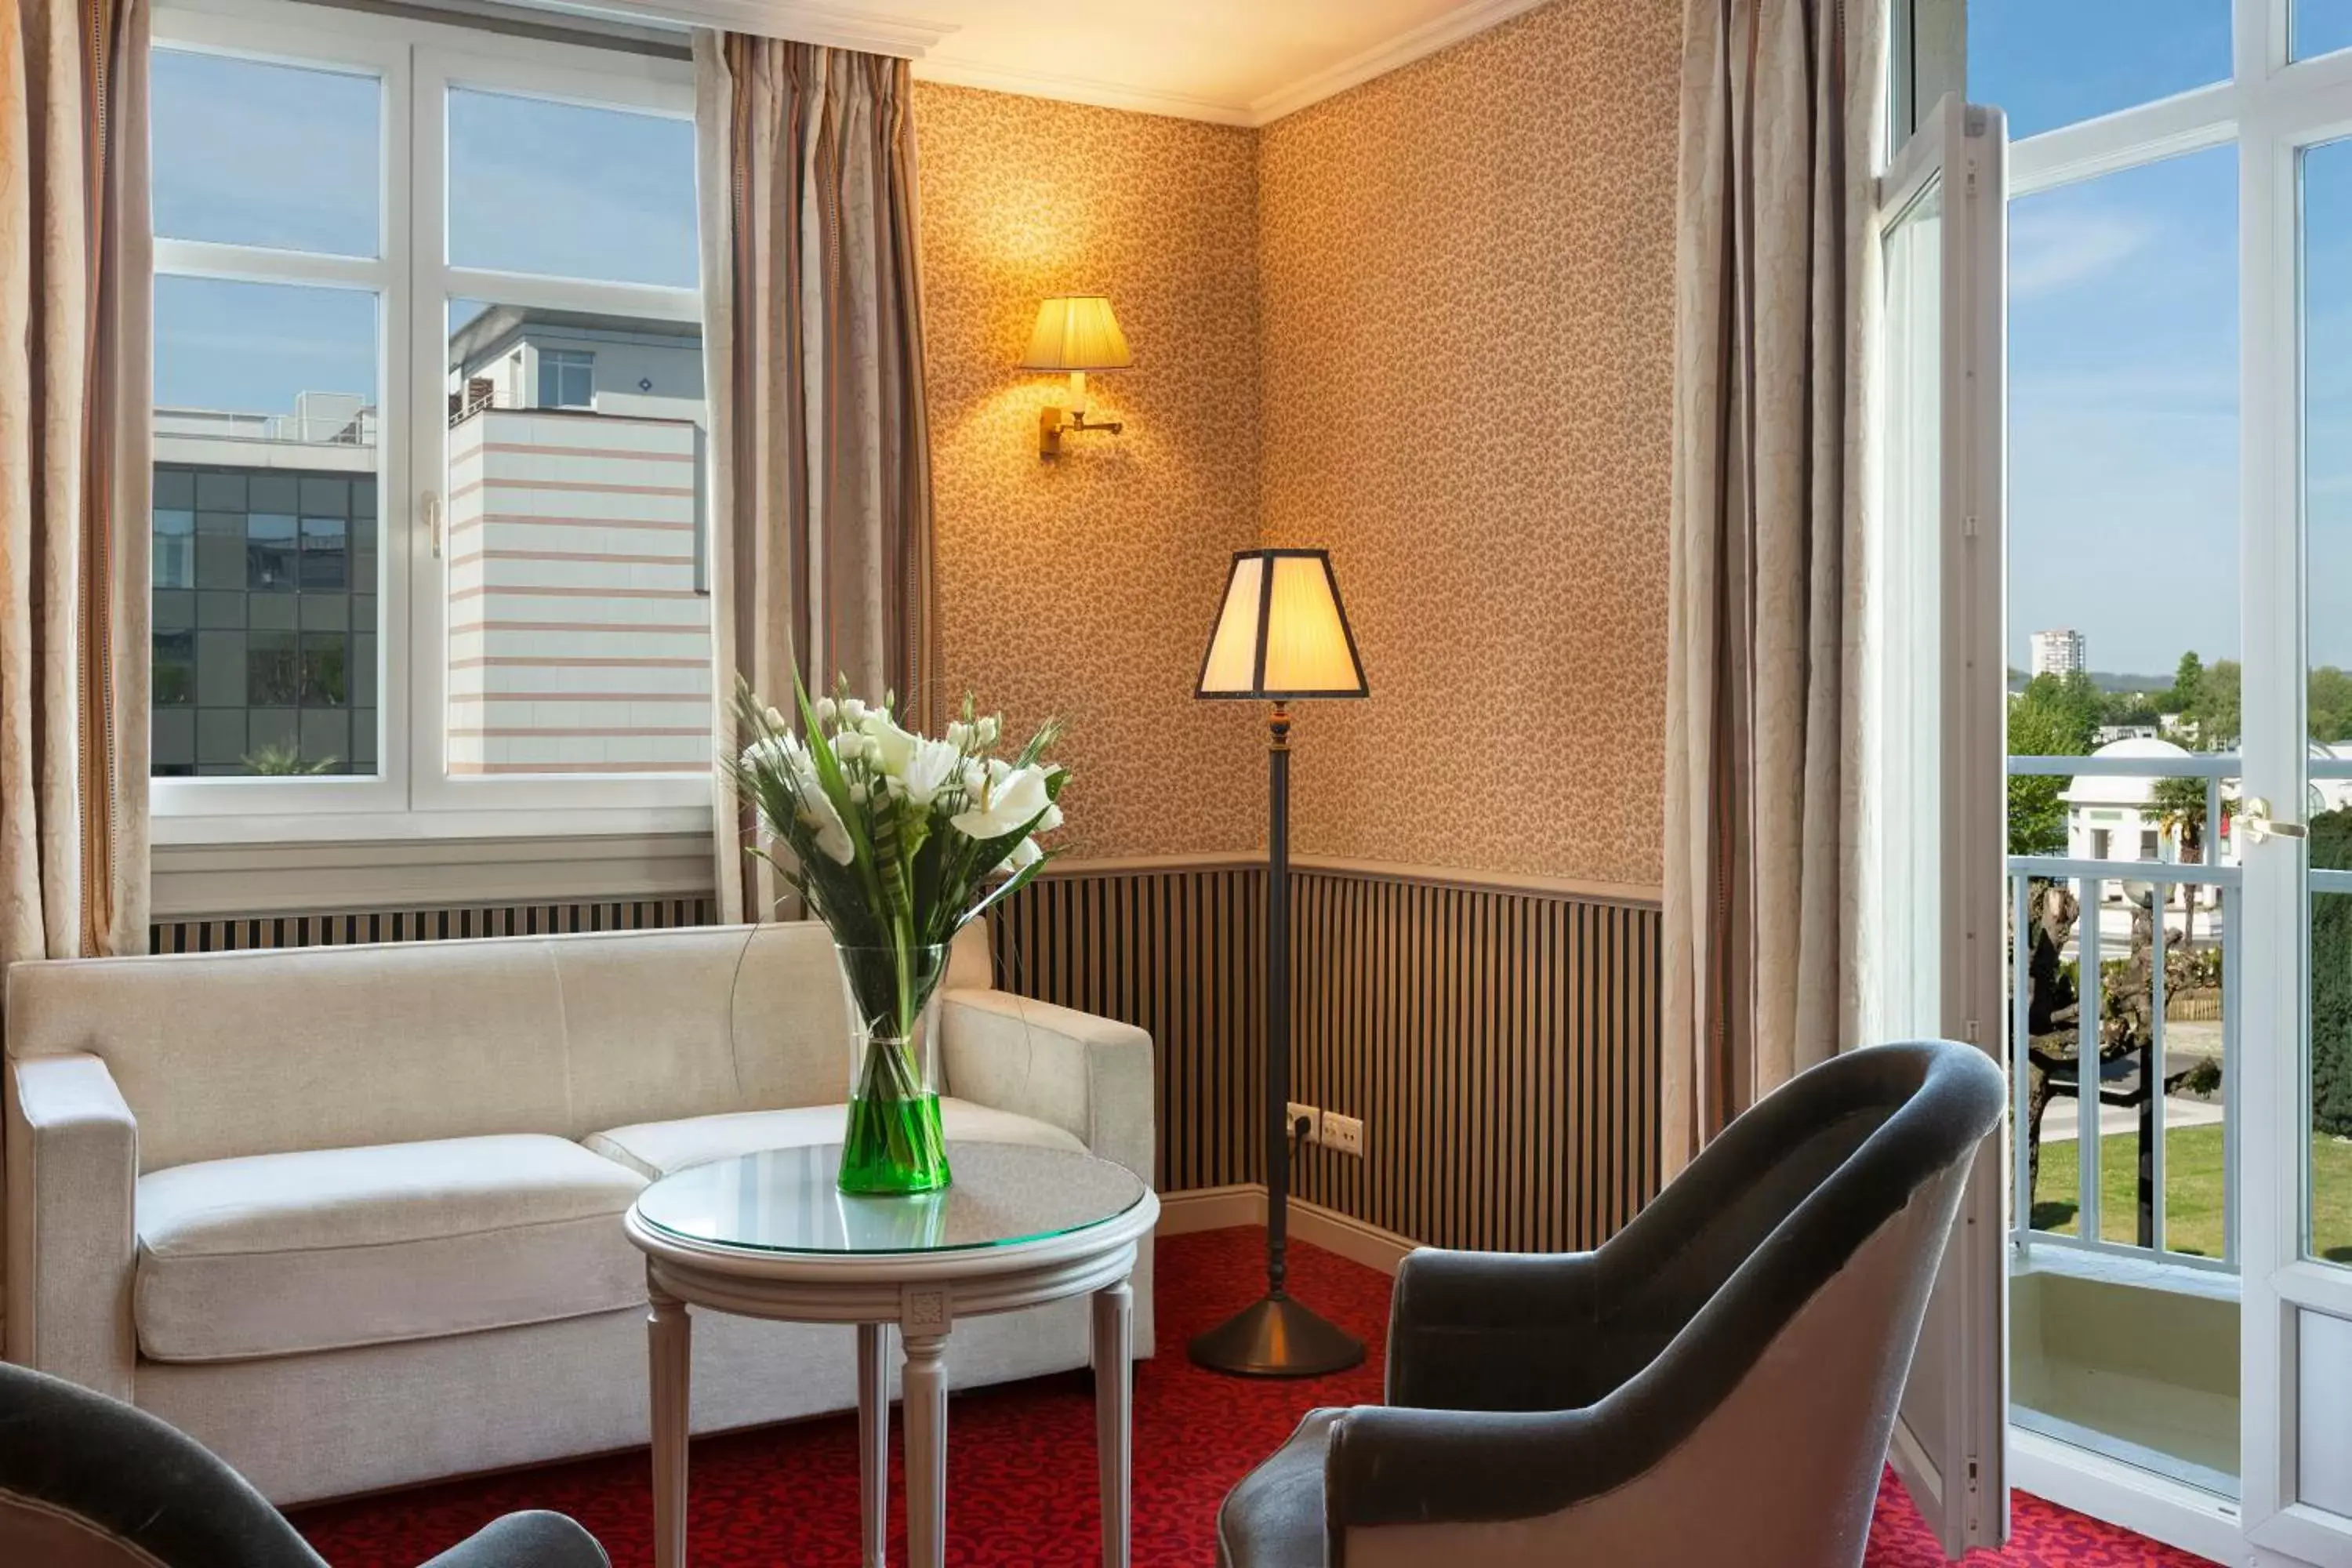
(413, 801)
(2271, 108)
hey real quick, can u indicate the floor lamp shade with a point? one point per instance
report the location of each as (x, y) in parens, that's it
(1282, 632)
(1281, 636)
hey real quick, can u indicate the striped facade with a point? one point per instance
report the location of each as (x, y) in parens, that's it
(578, 626)
(1499, 1044)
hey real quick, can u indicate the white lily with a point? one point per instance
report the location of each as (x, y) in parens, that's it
(931, 770)
(1011, 797)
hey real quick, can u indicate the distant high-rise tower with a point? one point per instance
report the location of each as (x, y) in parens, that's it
(2060, 652)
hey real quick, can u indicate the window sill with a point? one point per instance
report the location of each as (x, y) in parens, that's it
(214, 867)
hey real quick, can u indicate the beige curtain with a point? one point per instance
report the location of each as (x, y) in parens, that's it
(74, 477)
(822, 511)
(1775, 295)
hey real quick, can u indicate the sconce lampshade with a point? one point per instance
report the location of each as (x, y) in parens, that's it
(1282, 633)
(1077, 332)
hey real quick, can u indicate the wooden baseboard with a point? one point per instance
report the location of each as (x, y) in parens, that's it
(1244, 1203)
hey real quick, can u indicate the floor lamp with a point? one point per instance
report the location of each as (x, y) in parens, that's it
(1281, 636)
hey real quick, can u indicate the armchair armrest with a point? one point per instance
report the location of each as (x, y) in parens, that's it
(1385, 1465)
(72, 1239)
(1090, 1076)
(1497, 1331)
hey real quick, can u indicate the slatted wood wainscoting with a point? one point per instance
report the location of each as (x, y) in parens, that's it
(1500, 1044)
(1178, 951)
(428, 924)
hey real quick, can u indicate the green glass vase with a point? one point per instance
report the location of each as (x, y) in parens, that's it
(893, 1142)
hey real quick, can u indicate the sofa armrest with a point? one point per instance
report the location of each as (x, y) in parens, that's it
(73, 1172)
(1090, 1076)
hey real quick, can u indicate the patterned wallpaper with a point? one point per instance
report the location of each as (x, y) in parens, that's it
(1467, 326)
(1087, 587)
(1427, 323)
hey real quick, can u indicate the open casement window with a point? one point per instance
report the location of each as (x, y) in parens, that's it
(431, 463)
(1934, 691)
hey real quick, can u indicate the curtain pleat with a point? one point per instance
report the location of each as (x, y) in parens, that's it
(1783, 101)
(822, 535)
(75, 478)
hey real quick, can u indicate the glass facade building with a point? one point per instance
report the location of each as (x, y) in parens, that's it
(265, 583)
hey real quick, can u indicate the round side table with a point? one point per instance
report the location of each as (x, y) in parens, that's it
(768, 1235)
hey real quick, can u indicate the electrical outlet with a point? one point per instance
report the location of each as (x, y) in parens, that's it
(1345, 1133)
(1307, 1113)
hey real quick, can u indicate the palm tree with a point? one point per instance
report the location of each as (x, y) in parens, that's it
(2177, 805)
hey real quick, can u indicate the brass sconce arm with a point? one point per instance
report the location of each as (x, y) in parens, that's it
(1054, 422)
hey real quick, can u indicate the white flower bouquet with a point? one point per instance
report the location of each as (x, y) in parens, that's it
(896, 841)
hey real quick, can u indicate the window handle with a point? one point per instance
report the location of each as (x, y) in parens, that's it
(2260, 824)
(431, 508)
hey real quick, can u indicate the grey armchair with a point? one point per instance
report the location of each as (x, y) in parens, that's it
(1716, 1384)
(87, 1481)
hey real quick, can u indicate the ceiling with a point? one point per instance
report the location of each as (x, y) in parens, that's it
(1237, 62)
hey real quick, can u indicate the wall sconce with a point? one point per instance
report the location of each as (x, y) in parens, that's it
(1076, 332)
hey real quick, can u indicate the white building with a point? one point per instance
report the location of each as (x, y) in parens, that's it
(2060, 652)
(579, 613)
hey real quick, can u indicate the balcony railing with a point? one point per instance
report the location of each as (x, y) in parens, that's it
(2148, 887)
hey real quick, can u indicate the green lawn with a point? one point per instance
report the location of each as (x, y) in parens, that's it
(2192, 1191)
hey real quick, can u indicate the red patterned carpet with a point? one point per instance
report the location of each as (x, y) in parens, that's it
(1021, 1471)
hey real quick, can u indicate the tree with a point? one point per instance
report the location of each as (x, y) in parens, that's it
(2216, 712)
(2054, 716)
(2177, 805)
(2331, 980)
(2187, 684)
(2329, 707)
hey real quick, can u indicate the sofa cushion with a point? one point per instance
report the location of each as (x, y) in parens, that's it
(278, 1254)
(655, 1149)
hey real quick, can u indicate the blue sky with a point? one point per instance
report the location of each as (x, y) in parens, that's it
(2123, 405)
(290, 158)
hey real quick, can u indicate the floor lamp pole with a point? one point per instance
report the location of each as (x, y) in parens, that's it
(1277, 1337)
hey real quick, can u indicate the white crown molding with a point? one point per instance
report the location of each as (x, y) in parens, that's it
(804, 21)
(1439, 32)
(953, 72)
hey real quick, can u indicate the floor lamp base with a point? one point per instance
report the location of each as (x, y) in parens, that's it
(1277, 1337)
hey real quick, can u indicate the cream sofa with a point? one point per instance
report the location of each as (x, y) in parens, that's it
(351, 1216)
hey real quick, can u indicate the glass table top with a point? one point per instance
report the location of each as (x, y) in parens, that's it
(784, 1199)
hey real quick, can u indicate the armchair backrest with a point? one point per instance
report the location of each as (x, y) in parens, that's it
(92, 1482)
(1728, 1388)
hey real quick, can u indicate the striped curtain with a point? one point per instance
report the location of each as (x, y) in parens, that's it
(1774, 292)
(75, 260)
(821, 534)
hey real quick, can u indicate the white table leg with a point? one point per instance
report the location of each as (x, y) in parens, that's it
(874, 1442)
(926, 1397)
(668, 1333)
(1114, 1350)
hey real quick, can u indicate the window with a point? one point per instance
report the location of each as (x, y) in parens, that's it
(526, 641)
(567, 379)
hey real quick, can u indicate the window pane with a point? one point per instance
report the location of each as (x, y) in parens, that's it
(2048, 63)
(2322, 26)
(2123, 430)
(252, 154)
(2327, 526)
(578, 630)
(567, 191)
(2123, 496)
(266, 457)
